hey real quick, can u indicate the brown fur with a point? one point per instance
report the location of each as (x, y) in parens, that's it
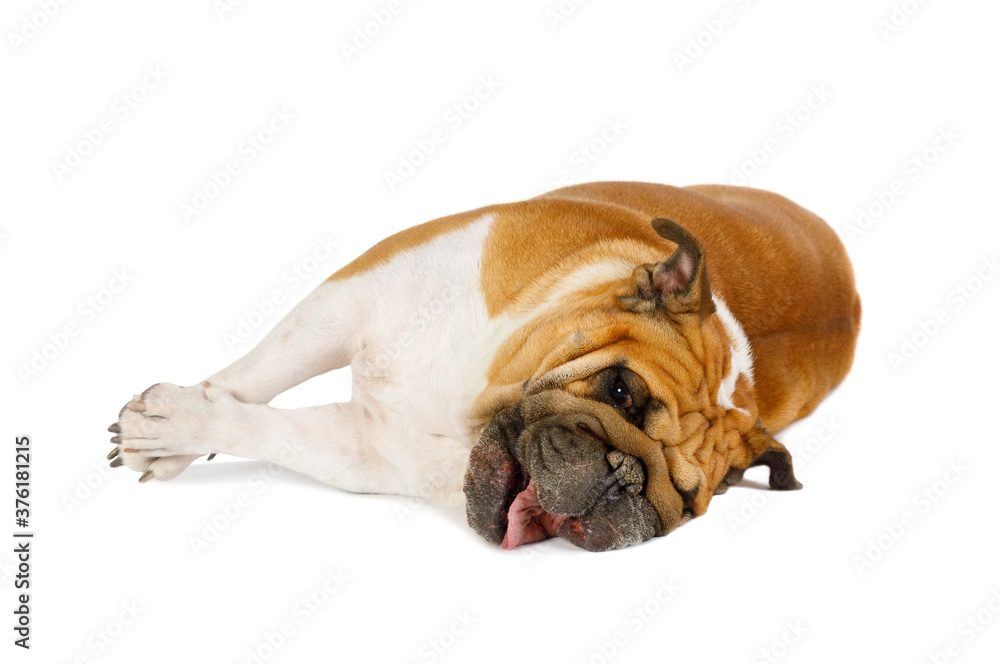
(781, 270)
(411, 237)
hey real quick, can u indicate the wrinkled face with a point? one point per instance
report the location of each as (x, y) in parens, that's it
(626, 429)
(540, 470)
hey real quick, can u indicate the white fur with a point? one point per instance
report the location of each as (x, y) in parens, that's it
(416, 333)
(417, 336)
(587, 276)
(741, 359)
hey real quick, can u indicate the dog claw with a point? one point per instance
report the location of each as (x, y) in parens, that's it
(117, 462)
(146, 476)
(115, 440)
(615, 458)
(628, 471)
(114, 428)
(113, 453)
(630, 475)
(211, 456)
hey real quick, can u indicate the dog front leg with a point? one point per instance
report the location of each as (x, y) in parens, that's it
(331, 443)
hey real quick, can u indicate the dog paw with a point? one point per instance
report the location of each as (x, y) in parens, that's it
(628, 471)
(160, 432)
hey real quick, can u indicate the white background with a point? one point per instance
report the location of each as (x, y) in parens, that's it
(856, 567)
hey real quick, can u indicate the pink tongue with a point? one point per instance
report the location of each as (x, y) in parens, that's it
(528, 522)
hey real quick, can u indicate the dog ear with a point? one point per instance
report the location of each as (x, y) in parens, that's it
(761, 449)
(677, 285)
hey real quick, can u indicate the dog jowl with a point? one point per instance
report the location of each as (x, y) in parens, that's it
(571, 458)
(615, 354)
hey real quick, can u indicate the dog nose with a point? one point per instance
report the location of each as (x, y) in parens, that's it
(628, 471)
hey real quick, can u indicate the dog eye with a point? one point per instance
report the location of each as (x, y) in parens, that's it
(620, 394)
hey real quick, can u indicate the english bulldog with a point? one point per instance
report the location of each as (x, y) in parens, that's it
(595, 363)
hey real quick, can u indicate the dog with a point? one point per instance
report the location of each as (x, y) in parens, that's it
(595, 363)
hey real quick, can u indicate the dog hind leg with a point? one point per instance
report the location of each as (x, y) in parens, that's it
(330, 443)
(318, 335)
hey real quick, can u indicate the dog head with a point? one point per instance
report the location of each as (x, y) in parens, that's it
(630, 423)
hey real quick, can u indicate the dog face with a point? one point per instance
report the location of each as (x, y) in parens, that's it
(631, 422)
(544, 467)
